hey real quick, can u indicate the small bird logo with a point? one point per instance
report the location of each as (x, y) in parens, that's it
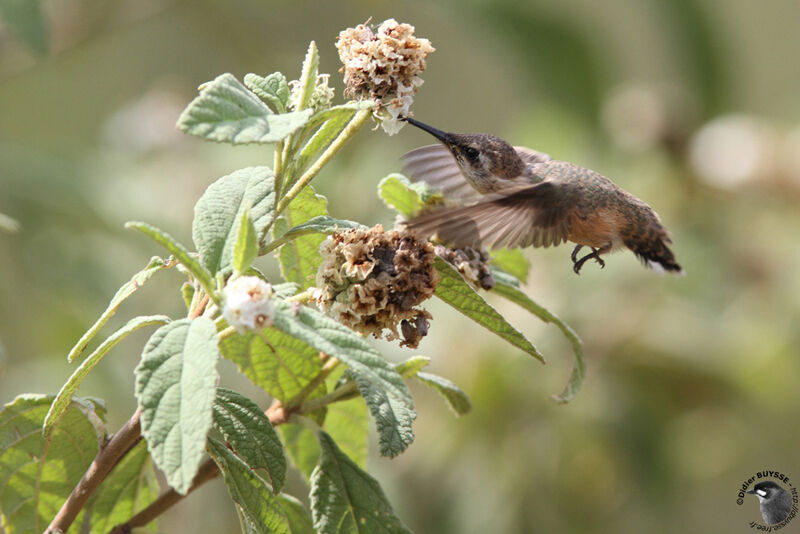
(775, 501)
(518, 197)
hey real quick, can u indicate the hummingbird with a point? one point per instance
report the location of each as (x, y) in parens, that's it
(517, 197)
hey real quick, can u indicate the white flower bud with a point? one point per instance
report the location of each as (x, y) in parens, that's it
(248, 304)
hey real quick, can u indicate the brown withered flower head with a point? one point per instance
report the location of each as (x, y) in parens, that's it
(383, 65)
(371, 280)
(473, 264)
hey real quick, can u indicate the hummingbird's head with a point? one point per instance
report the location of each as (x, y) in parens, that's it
(483, 158)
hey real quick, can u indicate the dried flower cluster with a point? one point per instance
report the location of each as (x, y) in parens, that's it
(248, 304)
(383, 65)
(371, 280)
(471, 263)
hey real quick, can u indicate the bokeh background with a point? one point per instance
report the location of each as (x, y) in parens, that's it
(691, 105)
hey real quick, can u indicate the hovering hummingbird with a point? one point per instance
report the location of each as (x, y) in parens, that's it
(518, 197)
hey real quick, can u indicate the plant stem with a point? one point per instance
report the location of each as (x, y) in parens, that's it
(341, 393)
(277, 165)
(355, 124)
(228, 332)
(208, 470)
(309, 388)
(107, 458)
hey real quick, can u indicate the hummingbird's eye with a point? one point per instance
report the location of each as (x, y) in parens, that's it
(471, 153)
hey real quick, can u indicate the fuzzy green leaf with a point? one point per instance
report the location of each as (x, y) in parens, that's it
(226, 111)
(128, 489)
(156, 264)
(300, 258)
(26, 20)
(277, 362)
(245, 248)
(512, 261)
(248, 431)
(336, 119)
(297, 514)
(308, 77)
(347, 500)
(412, 366)
(37, 474)
(273, 90)
(459, 294)
(218, 214)
(250, 492)
(203, 276)
(321, 224)
(383, 388)
(393, 417)
(64, 396)
(455, 397)
(579, 370)
(405, 197)
(175, 387)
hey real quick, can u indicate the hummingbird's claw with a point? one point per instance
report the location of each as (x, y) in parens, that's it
(595, 253)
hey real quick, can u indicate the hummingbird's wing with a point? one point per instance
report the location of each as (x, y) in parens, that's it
(436, 166)
(516, 217)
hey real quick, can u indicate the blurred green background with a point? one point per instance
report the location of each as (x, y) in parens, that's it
(689, 104)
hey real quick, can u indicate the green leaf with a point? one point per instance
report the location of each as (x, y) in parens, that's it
(393, 417)
(455, 397)
(347, 423)
(300, 258)
(308, 77)
(346, 499)
(302, 446)
(321, 224)
(406, 197)
(262, 509)
(129, 488)
(383, 388)
(579, 370)
(277, 362)
(38, 474)
(218, 214)
(26, 20)
(459, 294)
(297, 514)
(411, 366)
(273, 90)
(175, 387)
(336, 119)
(203, 276)
(245, 248)
(64, 396)
(250, 434)
(226, 111)
(156, 264)
(512, 261)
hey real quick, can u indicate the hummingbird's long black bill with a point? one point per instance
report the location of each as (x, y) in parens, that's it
(438, 134)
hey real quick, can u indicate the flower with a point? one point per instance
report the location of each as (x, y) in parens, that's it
(384, 66)
(248, 304)
(473, 264)
(321, 96)
(371, 280)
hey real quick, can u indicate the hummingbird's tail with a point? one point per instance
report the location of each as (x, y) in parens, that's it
(654, 253)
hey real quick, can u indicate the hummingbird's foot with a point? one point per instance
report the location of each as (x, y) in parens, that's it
(575, 251)
(595, 253)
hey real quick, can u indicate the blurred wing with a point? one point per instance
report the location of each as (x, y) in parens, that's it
(518, 217)
(532, 157)
(436, 166)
